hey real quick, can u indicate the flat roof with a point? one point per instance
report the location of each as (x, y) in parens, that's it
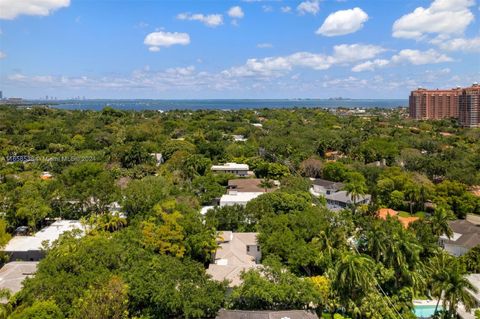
(249, 185)
(241, 197)
(13, 273)
(50, 233)
(230, 166)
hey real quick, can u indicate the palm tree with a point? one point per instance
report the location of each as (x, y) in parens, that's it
(439, 221)
(353, 276)
(438, 271)
(355, 187)
(412, 194)
(266, 184)
(455, 289)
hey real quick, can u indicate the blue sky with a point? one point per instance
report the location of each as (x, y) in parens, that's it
(236, 49)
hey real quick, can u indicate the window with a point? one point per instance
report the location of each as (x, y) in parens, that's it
(248, 249)
(258, 248)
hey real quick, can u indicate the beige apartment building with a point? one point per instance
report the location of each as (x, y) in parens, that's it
(460, 103)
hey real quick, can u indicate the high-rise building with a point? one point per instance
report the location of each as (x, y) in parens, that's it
(434, 104)
(469, 106)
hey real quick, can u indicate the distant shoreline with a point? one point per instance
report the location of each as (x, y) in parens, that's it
(219, 104)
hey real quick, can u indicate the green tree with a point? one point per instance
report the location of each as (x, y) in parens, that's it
(39, 310)
(107, 300)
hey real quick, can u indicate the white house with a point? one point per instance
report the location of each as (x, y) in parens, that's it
(237, 252)
(238, 198)
(233, 168)
(337, 199)
(30, 248)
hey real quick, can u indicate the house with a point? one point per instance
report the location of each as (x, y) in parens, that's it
(14, 273)
(249, 185)
(30, 248)
(158, 158)
(337, 199)
(233, 168)
(237, 252)
(265, 314)
(238, 198)
(466, 235)
(383, 213)
(324, 187)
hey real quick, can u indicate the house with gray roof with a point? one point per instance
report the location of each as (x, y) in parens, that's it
(14, 273)
(466, 235)
(337, 199)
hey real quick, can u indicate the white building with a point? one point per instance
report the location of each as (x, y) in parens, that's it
(30, 248)
(233, 168)
(238, 198)
(237, 252)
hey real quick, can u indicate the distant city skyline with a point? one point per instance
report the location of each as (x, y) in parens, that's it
(236, 49)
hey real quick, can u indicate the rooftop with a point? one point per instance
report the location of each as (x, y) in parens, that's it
(250, 185)
(230, 166)
(240, 198)
(13, 273)
(343, 197)
(231, 257)
(328, 184)
(465, 234)
(265, 314)
(50, 233)
(406, 221)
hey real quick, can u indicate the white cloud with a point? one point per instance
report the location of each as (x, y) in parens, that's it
(286, 9)
(2, 55)
(236, 12)
(309, 6)
(370, 65)
(406, 56)
(343, 22)
(345, 53)
(278, 66)
(210, 20)
(155, 40)
(417, 57)
(10, 9)
(264, 45)
(442, 17)
(267, 8)
(458, 44)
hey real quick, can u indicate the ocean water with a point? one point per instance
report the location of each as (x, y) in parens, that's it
(220, 104)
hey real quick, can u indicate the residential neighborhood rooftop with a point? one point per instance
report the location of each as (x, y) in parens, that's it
(251, 185)
(230, 166)
(237, 252)
(50, 233)
(13, 273)
(406, 221)
(239, 198)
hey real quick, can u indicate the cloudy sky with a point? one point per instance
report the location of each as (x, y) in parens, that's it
(236, 49)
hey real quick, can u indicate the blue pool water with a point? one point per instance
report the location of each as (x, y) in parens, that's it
(425, 311)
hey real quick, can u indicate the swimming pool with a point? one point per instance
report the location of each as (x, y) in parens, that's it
(425, 311)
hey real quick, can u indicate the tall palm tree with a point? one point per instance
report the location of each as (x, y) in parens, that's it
(413, 195)
(439, 221)
(353, 277)
(355, 187)
(438, 273)
(455, 289)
